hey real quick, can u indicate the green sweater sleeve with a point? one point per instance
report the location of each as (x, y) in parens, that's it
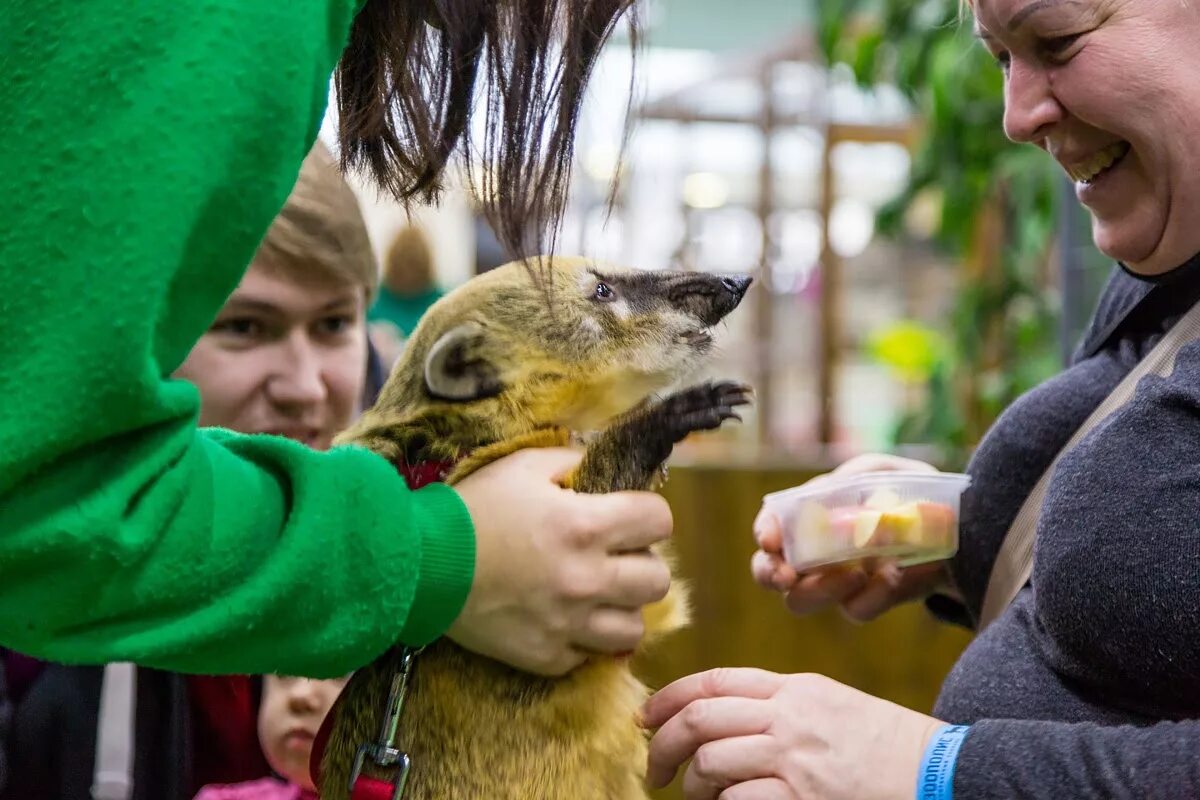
(147, 148)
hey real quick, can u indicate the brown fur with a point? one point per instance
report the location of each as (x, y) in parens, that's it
(476, 728)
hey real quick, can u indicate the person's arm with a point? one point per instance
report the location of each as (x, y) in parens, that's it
(1004, 759)
(147, 148)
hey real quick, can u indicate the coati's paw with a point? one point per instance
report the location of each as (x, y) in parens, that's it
(700, 408)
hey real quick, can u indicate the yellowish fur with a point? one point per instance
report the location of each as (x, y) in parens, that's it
(476, 728)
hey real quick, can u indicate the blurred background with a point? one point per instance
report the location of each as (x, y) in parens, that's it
(914, 273)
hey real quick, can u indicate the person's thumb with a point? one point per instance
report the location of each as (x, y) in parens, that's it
(555, 463)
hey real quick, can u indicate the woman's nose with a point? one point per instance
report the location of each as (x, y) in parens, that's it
(1030, 106)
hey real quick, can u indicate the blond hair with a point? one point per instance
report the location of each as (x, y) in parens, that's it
(408, 267)
(320, 233)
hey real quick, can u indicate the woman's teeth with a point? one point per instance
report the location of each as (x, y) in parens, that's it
(1087, 172)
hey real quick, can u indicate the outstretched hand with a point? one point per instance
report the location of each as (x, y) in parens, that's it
(862, 594)
(757, 735)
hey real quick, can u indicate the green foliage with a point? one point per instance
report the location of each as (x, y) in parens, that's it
(929, 53)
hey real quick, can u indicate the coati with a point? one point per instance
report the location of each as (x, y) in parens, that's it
(503, 363)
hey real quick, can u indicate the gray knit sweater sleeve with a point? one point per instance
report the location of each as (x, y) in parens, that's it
(1033, 760)
(1088, 686)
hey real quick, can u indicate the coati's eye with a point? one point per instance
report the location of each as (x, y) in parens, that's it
(604, 292)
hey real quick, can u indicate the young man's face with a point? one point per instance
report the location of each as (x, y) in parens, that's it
(283, 357)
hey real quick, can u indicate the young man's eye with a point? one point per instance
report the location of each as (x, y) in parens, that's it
(240, 327)
(337, 324)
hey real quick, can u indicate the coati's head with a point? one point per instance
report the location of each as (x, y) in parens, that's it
(586, 343)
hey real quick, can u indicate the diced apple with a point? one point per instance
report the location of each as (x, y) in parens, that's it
(882, 500)
(812, 519)
(901, 525)
(866, 526)
(937, 521)
(843, 523)
(811, 531)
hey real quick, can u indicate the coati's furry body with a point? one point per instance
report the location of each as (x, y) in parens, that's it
(499, 365)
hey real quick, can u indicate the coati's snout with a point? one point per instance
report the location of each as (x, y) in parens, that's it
(662, 319)
(708, 297)
(718, 301)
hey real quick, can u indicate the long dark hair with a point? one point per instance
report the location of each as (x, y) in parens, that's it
(406, 87)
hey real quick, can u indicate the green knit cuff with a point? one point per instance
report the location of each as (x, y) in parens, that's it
(447, 564)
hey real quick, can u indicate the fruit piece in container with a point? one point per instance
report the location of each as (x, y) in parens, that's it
(812, 531)
(866, 527)
(900, 525)
(812, 519)
(937, 523)
(843, 522)
(882, 500)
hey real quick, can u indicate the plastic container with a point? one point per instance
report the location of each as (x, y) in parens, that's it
(906, 517)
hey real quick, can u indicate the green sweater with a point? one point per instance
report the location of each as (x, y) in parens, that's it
(147, 147)
(403, 311)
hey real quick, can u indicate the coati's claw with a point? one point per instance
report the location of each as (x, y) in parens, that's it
(702, 407)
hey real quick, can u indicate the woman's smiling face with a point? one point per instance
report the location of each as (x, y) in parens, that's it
(1111, 89)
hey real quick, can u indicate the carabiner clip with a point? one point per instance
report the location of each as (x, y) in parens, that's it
(383, 753)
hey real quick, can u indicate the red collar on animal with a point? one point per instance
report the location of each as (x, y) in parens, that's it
(424, 473)
(365, 787)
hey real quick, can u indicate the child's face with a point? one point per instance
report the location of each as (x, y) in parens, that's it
(289, 717)
(283, 357)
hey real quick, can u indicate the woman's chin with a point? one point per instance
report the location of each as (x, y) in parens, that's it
(1140, 251)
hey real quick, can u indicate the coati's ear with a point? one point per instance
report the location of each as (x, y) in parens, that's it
(456, 369)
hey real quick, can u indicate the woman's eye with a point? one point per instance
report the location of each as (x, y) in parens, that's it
(1003, 60)
(604, 291)
(1058, 45)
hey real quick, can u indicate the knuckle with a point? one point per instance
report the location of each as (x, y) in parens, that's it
(555, 630)
(576, 584)
(714, 682)
(585, 532)
(657, 514)
(634, 630)
(856, 612)
(661, 582)
(793, 763)
(808, 684)
(704, 764)
(799, 601)
(696, 716)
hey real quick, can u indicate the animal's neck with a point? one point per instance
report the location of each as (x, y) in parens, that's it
(450, 432)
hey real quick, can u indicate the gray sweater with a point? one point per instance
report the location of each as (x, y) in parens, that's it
(1089, 685)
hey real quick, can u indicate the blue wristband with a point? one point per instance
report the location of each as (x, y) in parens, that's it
(935, 778)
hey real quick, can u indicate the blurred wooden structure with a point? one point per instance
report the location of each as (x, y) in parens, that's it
(901, 657)
(683, 107)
